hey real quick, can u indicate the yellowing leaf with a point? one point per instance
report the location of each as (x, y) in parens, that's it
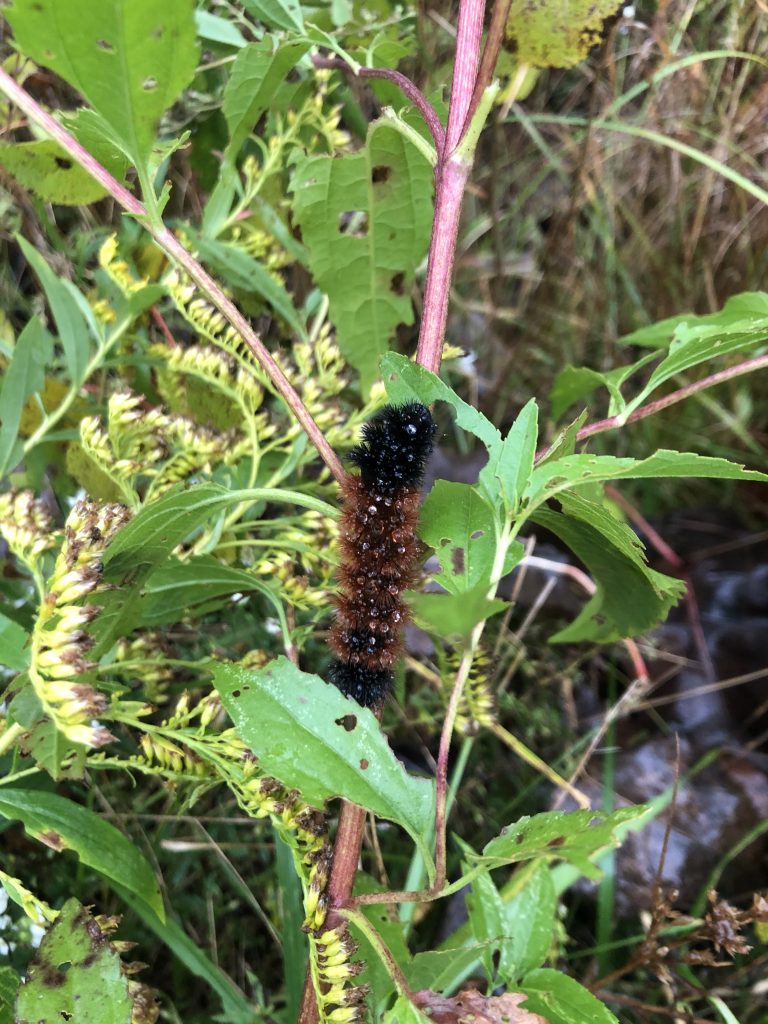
(557, 33)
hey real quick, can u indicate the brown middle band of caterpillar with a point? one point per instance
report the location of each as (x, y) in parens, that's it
(379, 549)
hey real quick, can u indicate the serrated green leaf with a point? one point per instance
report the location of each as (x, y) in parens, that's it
(630, 597)
(509, 466)
(14, 650)
(281, 14)
(23, 377)
(552, 477)
(75, 975)
(257, 73)
(95, 133)
(49, 171)
(9, 986)
(459, 524)
(561, 1000)
(530, 920)
(72, 326)
(406, 381)
(305, 733)
(64, 825)
(576, 382)
(129, 60)
(454, 614)
(557, 33)
(574, 836)
(366, 219)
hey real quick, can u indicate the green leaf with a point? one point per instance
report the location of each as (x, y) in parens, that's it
(9, 986)
(95, 133)
(574, 383)
(215, 29)
(454, 614)
(550, 478)
(366, 219)
(460, 525)
(14, 650)
(442, 969)
(282, 14)
(243, 271)
(64, 825)
(129, 60)
(406, 381)
(561, 1000)
(404, 1012)
(530, 920)
(557, 33)
(630, 597)
(75, 975)
(305, 733)
(234, 1004)
(257, 73)
(574, 836)
(71, 324)
(184, 588)
(486, 919)
(50, 172)
(509, 466)
(23, 377)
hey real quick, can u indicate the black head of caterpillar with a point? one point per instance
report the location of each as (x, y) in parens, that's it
(396, 445)
(379, 549)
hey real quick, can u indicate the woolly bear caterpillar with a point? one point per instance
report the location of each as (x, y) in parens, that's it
(379, 549)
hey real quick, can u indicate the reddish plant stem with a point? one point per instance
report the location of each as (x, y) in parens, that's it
(748, 366)
(406, 86)
(176, 251)
(493, 43)
(468, 37)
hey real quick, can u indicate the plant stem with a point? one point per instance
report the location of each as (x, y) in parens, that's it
(168, 242)
(748, 366)
(10, 736)
(406, 86)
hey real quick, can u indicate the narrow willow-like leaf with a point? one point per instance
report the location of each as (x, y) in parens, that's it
(65, 825)
(23, 377)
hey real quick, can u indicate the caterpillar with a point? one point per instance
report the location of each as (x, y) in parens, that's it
(379, 550)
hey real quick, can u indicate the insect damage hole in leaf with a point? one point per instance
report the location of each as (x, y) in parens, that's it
(353, 223)
(380, 174)
(349, 722)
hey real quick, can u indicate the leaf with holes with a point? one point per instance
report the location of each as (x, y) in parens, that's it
(310, 737)
(47, 170)
(129, 60)
(575, 836)
(76, 975)
(557, 33)
(9, 986)
(366, 219)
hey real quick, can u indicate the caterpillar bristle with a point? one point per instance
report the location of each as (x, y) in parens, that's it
(379, 549)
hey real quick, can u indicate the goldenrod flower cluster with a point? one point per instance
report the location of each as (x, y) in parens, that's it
(478, 706)
(26, 526)
(150, 442)
(301, 550)
(219, 369)
(60, 639)
(148, 649)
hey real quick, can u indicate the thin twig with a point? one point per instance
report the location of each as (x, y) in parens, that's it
(176, 251)
(406, 86)
(749, 366)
